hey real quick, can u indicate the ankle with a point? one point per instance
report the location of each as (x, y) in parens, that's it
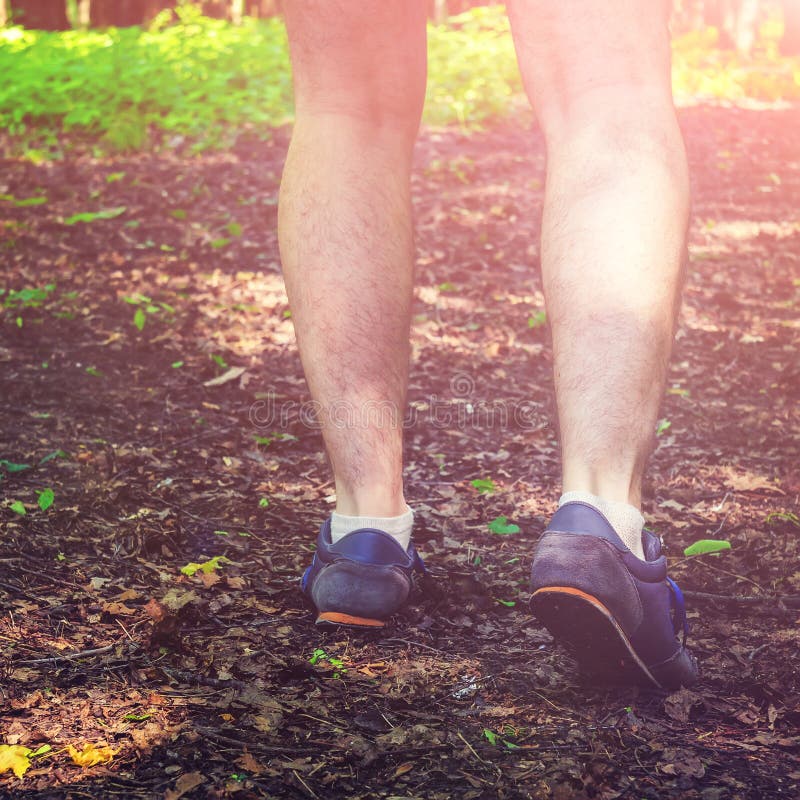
(376, 502)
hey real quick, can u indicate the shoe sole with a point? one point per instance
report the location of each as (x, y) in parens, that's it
(588, 629)
(337, 618)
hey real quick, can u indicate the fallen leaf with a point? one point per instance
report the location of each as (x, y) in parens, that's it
(229, 375)
(184, 784)
(14, 757)
(174, 600)
(748, 482)
(91, 754)
(155, 610)
(117, 609)
(248, 762)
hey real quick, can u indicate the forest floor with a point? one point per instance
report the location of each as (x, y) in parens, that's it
(217, 684)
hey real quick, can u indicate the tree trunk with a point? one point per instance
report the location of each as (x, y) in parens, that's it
(746, 25)
(736, 22)
(45, 15)
(790, 43)
(3, 13)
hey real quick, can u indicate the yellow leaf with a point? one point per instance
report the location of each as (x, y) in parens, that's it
(91, 754)
(14, 757)
(207, 566)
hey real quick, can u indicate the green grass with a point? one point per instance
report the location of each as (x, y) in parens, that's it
(205, 82)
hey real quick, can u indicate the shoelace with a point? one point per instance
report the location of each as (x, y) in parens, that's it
(678, 605)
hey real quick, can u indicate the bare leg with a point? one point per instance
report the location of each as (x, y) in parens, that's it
(345, 231)
(614, 225)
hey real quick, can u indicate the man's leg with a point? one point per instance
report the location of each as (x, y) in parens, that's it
(613, 241)
(345, 231)
(614, 225)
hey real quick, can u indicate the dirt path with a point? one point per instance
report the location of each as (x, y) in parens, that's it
(217, 684)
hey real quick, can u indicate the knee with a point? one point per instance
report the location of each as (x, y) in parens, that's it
(380, 110)
(618, 116)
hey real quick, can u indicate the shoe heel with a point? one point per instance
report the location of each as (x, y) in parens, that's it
(356, 594)
(587, 629)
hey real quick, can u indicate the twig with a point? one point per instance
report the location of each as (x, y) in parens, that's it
(252, 745)
(181, 676)
(68, 656)
(788, 600)
(472, 749)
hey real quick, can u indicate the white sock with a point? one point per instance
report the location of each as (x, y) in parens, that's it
(625, 519)
(398, 528)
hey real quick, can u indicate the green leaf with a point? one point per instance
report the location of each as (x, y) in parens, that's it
(46, 498)
(18, 508)
(51, 456)
(234, 228)
(507, 603)
(537, 320)
(447, 287)
(663, 426)
(220, 242)
(502, 527)
(10, 466)
(220, 361)
(484, 485)
(93, 371)
(785, 516)
(139, 319)
(176, 364)
(30, 201)
(113, 177)
(136, 717)
(206, 566)
(490, 735)
(703, 546)
(263, 502)
(91, 216)
(178, 213)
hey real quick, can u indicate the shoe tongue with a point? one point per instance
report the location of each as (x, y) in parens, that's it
(651, 544)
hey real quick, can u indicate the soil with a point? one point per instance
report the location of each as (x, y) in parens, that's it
(217, 684)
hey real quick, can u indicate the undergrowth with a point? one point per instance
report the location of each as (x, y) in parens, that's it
(204, 81)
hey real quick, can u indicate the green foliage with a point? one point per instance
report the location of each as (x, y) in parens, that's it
(502, 527)
(537, 320)
(10, 466)
(91, 216)
(472, 67)
(206, 566)
(203, 81)
(18, 507)
(703, 546)
(195, 79)
(484, 485)
(46, 498)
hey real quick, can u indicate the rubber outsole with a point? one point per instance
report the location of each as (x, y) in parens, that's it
(588, 629)
(337, 618)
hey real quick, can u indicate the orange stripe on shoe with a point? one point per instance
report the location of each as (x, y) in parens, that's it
(605, 612)
(575, 593)
(337, 618)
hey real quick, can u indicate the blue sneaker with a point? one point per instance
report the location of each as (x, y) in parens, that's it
(362, 579)
(619, 615)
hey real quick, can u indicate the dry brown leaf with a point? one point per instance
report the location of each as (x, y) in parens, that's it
(744, 481)
(155, 610)
(229, 375)
(184, 784)
(248, 762)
